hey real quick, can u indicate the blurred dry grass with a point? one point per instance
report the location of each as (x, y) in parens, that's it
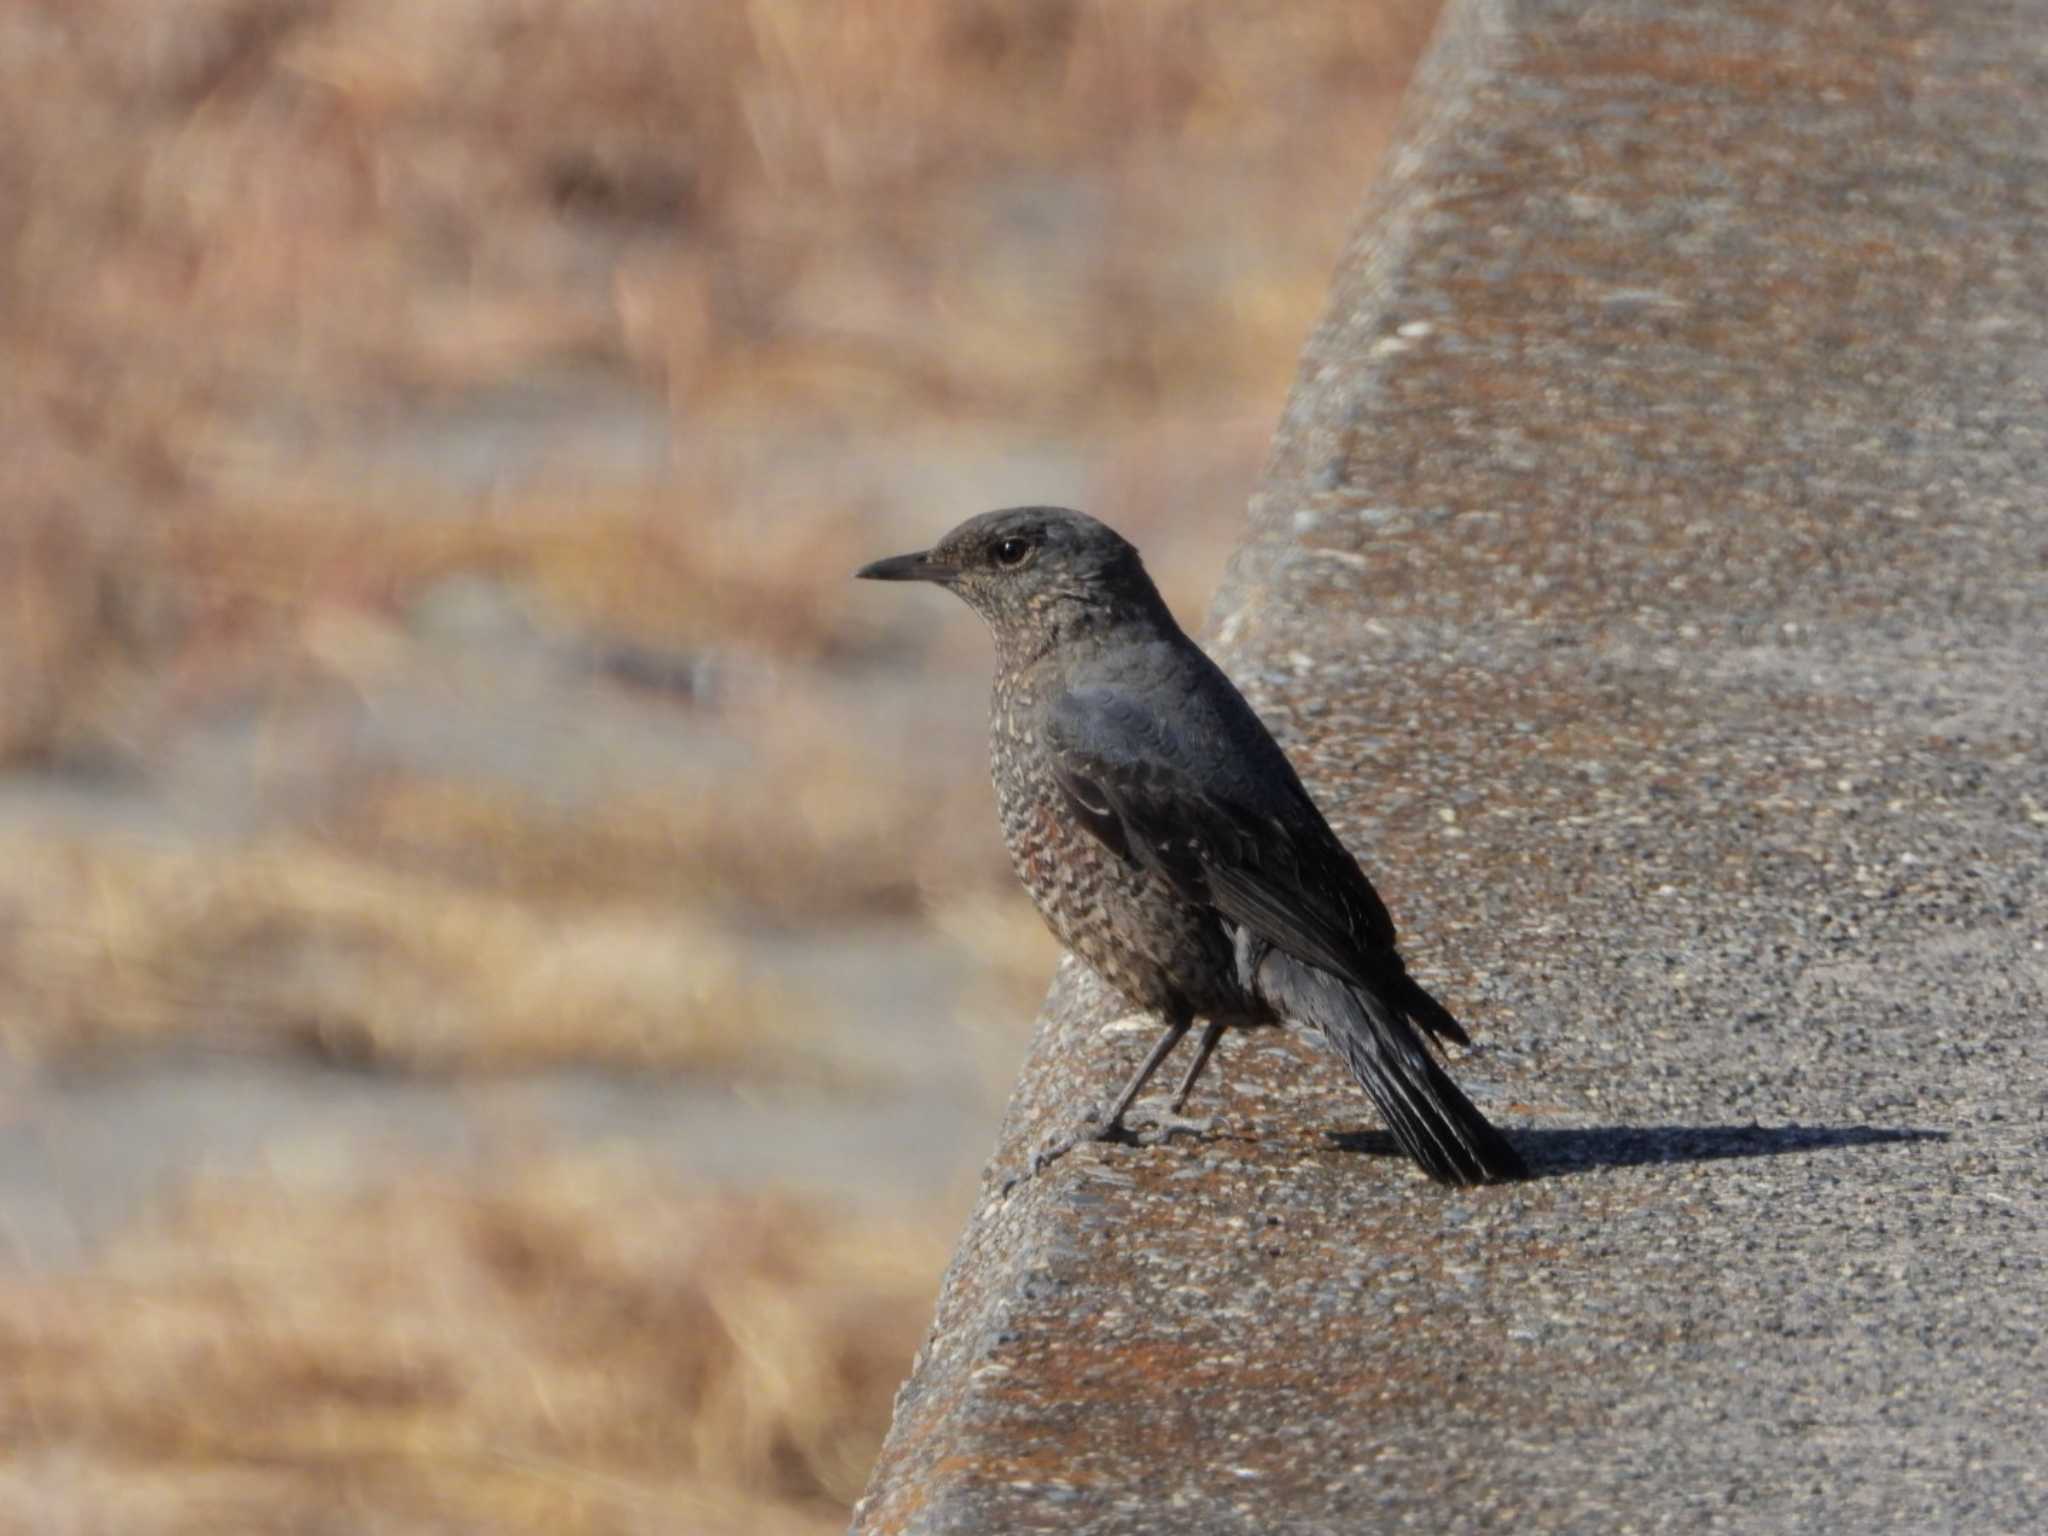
(290, 945)
(819, 830)
(668, 568)
(247, 240)
(280, 284)
(368, 192)
(574, 1348)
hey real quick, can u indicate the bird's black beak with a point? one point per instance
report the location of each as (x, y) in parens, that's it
(917, 567)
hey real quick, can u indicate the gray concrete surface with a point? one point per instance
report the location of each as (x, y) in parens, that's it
(1652, 576)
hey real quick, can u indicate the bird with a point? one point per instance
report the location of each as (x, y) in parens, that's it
(1168, 842)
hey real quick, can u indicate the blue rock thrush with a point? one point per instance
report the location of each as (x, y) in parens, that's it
(1169, 843)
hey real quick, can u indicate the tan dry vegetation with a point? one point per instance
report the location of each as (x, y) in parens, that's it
(1011, 946)
(371, 193)
(82, 609)
(235, 231)
(105, 944)
(675, 570)
(822, 829)
(575, 1348)
(243, 244)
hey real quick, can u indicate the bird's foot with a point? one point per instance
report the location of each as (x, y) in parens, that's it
(1048, 1152)
(1094, 1127)
(1156, 1128)
(1162, 1126)
(1051, 1150)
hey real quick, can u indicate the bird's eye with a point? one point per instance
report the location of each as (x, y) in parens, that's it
(1014, 551)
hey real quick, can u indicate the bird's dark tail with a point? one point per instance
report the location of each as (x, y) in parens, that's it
(1379, 1040)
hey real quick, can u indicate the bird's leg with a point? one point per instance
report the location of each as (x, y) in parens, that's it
(1112, 1126)
(1165, 1123)
(1211, 1033)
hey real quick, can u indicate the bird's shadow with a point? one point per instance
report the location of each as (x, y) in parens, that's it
(1555, 1153)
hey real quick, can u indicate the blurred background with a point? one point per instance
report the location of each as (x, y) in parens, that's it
(507, 972)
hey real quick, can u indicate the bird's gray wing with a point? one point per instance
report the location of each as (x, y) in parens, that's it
(1239, 836)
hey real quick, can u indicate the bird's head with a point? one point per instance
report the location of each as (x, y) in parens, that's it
(1038, 575)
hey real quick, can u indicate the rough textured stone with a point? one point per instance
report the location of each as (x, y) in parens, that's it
(1651, 579)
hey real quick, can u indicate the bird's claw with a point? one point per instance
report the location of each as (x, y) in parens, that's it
(1164, 1126)
(1049, 1151)
(1158, 1129)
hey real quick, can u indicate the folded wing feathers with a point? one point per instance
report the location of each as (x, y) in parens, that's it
(1288, 888)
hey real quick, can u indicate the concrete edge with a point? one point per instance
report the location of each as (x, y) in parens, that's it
(925, 1478)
